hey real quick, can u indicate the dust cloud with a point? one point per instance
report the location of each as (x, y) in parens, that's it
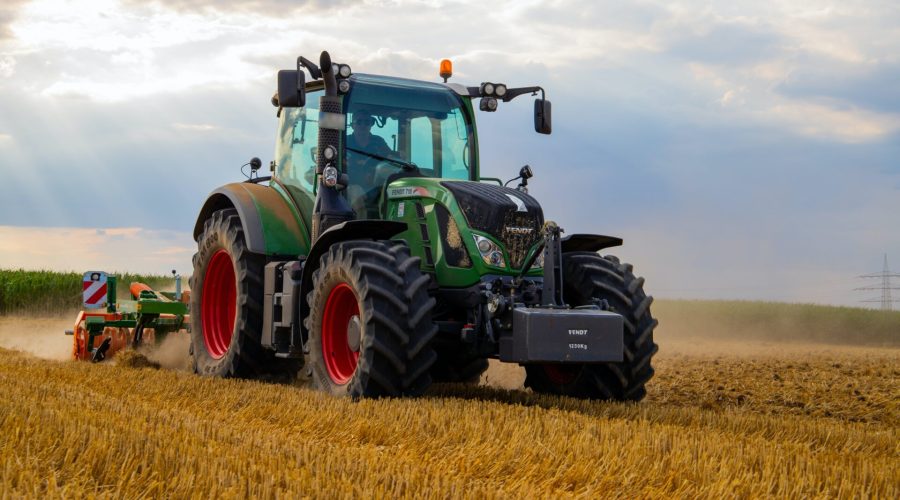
(42, 337)
(46, 338)
(172, 352)
(743, 332)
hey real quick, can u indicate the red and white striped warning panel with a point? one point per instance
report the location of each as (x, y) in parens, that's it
(94, 289)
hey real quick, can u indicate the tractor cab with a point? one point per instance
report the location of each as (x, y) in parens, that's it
(394, 128)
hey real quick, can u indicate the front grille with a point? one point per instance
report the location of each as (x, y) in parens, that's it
(518, 243)
(491, 209)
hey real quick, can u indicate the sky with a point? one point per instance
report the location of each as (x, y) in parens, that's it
(743, 150)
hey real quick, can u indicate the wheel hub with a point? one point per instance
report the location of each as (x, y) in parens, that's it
(354, 333)
(341, 328)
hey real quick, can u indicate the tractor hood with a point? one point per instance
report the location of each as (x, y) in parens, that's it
(512, 217)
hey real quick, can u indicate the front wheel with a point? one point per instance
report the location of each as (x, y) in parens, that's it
(588, 276)
(369, 323)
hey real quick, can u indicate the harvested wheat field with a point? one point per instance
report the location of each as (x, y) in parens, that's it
(743, 419)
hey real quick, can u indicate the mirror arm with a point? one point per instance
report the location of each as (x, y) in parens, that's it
(510, 93)
(513, 93)
(314, 70)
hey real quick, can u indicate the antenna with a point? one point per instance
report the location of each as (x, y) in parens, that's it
(886, 301)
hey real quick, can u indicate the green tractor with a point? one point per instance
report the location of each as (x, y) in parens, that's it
(378, 260)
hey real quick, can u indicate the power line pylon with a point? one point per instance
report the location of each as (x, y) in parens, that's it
(885, 275)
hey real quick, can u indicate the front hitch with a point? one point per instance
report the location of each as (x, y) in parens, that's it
(552, 295)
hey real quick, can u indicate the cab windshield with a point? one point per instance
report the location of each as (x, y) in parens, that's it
(393, 124)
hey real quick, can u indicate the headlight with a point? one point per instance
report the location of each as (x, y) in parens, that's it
(330, 175)
(344, 86)
(344, 71)
(490, 252)
(488, 89)
(500, 90)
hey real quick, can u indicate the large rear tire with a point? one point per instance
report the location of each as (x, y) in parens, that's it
(370, 327)
(586, 276)
(226, 306)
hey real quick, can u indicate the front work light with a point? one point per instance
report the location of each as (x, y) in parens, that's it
(488, 104)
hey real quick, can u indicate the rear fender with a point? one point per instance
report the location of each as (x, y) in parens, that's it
(271, 226)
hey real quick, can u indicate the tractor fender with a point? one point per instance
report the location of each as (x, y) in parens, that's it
(270, 225)
(588, 242)
(366, 229)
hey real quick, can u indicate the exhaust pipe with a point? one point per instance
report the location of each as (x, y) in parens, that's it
(330, 208)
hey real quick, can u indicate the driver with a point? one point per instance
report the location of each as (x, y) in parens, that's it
(361, 167)
(363, 139)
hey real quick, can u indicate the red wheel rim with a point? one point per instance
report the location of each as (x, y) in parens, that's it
(560, 374)
(340, 308)
(218, 304)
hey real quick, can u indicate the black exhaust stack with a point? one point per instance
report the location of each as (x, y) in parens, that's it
(331, 208)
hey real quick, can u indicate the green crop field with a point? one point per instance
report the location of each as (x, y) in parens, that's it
(51, 292)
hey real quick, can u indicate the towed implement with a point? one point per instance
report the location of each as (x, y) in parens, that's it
(107, 325)
(378, 259)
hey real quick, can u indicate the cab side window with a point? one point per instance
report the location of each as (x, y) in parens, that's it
(422, 136)
(295, 151)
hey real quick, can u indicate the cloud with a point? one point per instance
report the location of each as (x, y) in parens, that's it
(830, 122)
(767, 130)
(111, 249)
(7, 66)
(872, 86)
(195, 127)
(9, 10)
(744, 95)
(273, 8)
(730, 42)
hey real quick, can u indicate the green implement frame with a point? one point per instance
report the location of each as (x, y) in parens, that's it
(99, 334)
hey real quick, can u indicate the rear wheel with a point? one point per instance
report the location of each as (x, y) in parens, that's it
(226, 306)
(369, 324)
(586, 276)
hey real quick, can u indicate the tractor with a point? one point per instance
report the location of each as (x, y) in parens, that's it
(376, 260)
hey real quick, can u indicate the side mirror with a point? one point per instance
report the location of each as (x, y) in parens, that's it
(542, 121)
(291, 91)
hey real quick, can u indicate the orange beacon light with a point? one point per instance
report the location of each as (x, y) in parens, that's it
(446, 69)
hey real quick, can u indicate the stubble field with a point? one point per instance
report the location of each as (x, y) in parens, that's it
(724, 417)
